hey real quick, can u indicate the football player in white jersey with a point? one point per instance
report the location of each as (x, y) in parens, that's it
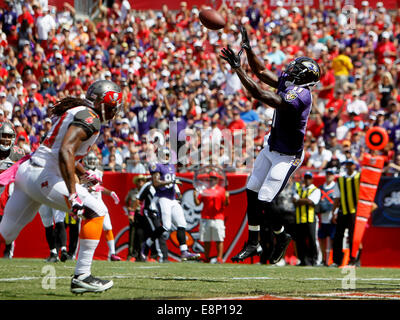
(9, 154)
(91, 163)
(48, 177)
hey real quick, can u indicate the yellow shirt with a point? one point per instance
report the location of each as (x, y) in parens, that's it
(342, 65)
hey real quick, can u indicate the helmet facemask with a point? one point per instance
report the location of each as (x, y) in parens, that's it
(7, 136)
(302, 72)
(106, 98)
(91, 161)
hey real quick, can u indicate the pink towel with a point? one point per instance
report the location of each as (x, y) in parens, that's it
(8, 176)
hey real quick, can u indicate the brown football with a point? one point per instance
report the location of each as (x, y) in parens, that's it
(211, 19)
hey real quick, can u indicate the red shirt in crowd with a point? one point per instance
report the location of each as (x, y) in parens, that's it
(213, 200)
(335, 103)
(383, 49)
(327, 79)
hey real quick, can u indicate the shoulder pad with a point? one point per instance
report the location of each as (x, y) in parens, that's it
(16, 153)
(153, 167)
(88, 120)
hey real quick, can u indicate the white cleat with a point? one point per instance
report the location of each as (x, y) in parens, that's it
(87, 283)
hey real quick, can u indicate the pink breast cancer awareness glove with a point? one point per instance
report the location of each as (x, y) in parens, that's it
(115, 197)
(77, 208)
(98, 188)
(90, 178)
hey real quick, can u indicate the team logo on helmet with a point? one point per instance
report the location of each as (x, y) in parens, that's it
(311, 66)
(113, 98)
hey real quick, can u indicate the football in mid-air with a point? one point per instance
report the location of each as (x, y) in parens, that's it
(211, 19)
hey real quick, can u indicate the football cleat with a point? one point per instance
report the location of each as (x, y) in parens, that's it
(84, 283)
(144, 249)
(65, 256)
(249, 250)
(186, 255)
(114, 257)
(282, 242)
(52, 258)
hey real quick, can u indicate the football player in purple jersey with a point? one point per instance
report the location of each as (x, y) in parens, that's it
(283, 148)
(164, 181)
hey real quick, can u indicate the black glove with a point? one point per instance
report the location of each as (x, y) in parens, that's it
(232, 58)
(245, 38)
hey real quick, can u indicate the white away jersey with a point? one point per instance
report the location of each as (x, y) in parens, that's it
(83, 117)
(92, 189)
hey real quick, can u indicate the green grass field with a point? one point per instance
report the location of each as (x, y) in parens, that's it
(34, 279)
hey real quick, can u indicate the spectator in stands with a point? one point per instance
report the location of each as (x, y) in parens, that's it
(248, 115)
(342, 66)
(320, 158)
(133, 164)
(393, 167)
(326, 87)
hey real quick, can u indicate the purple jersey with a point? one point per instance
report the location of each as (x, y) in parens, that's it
(145, 118)
(290, 120)
(167, 173)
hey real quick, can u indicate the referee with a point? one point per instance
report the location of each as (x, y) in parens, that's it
(344, 212)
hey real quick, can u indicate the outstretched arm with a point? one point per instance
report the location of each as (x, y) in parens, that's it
(270, 98)
(256, 64)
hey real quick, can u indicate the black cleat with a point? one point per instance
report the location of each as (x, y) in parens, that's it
(65, 256)
(52, 258)
(89, 284)
(249, 250)
(282, 242)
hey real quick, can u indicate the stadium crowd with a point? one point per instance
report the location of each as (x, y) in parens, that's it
(168, 64)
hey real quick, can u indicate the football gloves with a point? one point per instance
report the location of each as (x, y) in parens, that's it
(245, 38)
(115, 197)
(90, 178)
(230, 56)
(77, 208)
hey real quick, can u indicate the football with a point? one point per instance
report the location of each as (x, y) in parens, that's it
(211, 19)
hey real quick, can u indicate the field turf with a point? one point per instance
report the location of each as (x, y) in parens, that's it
(34, 279)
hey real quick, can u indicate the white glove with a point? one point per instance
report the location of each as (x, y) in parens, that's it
(115, 197)
(90, 178)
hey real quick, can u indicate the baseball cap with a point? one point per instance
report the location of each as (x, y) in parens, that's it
(3, 94)
(349, 161)
(385, 35)
(308, 174)
(329, 171)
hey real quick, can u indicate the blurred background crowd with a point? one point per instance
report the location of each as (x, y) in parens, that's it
(169, 68)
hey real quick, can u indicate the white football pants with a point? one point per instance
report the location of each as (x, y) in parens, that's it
(271, 172)
(35, 186)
